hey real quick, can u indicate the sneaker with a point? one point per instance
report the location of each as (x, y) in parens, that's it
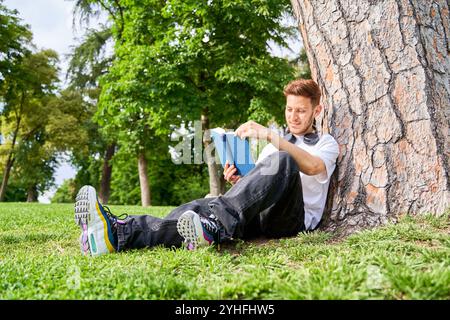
(98, 225)
(197, 231)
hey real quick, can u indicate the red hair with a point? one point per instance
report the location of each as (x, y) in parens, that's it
(304, 87)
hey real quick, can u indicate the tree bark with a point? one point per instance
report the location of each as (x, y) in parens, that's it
(143, 180)
(32, 194)
(384, 67)
(216, 181)
(9, 161)
(105, 183)
(5, 179)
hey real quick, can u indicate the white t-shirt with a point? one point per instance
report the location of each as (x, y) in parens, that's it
(315, 188)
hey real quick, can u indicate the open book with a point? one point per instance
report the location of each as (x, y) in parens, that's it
(233, 149)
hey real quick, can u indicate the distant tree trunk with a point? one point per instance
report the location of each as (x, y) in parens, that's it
(143, 180)
(6, 173)
(384, 67)
(9, 161)
(216, 180)
(32, 194)
(105, 183)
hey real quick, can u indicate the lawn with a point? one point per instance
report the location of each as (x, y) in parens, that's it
(40, 259)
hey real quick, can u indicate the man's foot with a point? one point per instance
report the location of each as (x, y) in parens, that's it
(197, 231)
(97, 225)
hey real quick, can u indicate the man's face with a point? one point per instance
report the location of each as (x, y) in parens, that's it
(300, 114)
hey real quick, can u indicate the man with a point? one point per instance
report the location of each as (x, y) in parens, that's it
(283, 195)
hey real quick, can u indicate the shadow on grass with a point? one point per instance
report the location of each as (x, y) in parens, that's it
(31, 237)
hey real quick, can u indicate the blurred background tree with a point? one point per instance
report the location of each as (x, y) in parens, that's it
(150, 69)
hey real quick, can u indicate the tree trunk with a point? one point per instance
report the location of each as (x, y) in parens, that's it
(6, 173)
(10, 160)
(384, 68)
(143, 180)
(32, 194)
(105, 183)
(216, 181)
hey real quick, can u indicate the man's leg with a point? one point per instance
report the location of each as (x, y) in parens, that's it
(141, 231)
(274, 201)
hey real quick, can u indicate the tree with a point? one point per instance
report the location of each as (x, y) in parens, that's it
(182, 61)
(65, 192)
(172, 184)
(14, 42)
(27, 90)
(88, 62)
(14, 45)
(384, 67)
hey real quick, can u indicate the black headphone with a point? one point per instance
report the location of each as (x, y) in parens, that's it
(310, 138)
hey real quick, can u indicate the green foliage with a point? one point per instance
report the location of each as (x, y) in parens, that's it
(87, 9)
(40, 259)
(89, 60)
(24, 117)
(89, 170)
(74, 131)
(187, 186)
(69, 122)
(35, 164)
(171, 184)
(66, 192)
(27, 80)
(125, 187)
(172, 62)
(303, 69)
(179, 59)
(16, 192)
(14, 42)
(175, 61)
(38, 124)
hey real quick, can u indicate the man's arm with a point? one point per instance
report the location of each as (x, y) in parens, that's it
(307, 163)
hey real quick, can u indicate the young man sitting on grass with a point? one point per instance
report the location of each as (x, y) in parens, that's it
(283, 195)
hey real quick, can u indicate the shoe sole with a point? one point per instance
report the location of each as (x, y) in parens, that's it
(82, 217)
(93, 223)
(190, 228)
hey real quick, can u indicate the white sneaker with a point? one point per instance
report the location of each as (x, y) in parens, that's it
(96, 226)
(197, 231)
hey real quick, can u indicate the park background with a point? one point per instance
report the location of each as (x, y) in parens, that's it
(68, 164)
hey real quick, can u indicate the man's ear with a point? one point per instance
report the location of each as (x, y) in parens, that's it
(318, 110)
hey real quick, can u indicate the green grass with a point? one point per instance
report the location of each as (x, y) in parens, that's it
(40, 259)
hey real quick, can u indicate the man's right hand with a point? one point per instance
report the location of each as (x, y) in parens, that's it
(229, 173)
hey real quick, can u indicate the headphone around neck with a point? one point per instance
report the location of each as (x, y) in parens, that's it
(311, 138)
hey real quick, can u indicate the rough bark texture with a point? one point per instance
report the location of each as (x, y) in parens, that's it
(105, 183)
(143, 180)
(216, 181)
(384, 68)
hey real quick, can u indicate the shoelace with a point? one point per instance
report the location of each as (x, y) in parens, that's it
(212, 227)
(123, 216)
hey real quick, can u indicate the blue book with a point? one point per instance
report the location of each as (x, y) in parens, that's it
(233, 149)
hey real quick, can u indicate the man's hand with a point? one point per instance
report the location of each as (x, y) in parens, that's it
(251, 129)
(229, 173)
